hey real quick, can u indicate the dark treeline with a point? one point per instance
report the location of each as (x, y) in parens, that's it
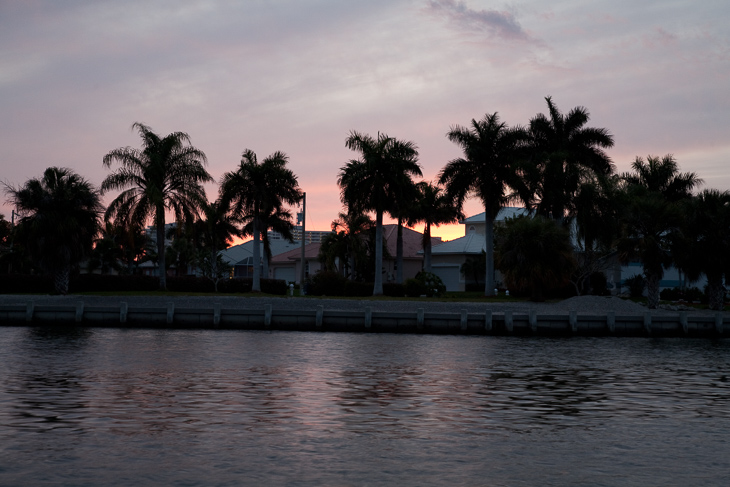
(581, 212)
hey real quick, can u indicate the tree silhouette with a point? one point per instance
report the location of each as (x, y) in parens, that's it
(165, 174)
(490, 170)
(651, 216)
(255, 191)
(432, 207)
(535, 254)
(60, 218)
(375, 182)
(564, 152)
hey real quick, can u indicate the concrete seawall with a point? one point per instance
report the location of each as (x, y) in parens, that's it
(367, 320)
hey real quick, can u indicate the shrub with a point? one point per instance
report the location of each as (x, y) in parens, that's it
(414, 288)
(636, 285)
(394, 290)
(599, 284)
(274, 286)
(25, 283)
(190, 284)
(236, 285)
(327, 283)
(424, 283)
(359, 289)
(108, 283)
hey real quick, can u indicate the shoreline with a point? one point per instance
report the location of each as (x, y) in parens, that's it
(584, 316)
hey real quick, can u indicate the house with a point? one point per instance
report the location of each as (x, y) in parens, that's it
(448, 257)
(287, 265)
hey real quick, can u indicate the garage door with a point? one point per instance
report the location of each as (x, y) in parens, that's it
(285, 273)
(450, 275)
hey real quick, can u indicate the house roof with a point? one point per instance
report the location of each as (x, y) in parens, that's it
(472, 243)
(237, 253)
(412, 241)
(504, 213)
(311, 251)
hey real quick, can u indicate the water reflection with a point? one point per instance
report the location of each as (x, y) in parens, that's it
(217, 407)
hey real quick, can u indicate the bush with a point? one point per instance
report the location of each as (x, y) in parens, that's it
(274, 286)
(108, 283)
(236, 285)
(359, 289)
(424, 283)
(599, 284)
(25, 283)
(677, 294)
(327, 283)
(394, 290)
(190, 284)
(414, 288)
(636, 285)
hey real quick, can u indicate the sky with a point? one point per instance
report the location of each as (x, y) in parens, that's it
(298, 75)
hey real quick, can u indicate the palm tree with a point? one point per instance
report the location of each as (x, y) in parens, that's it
(490, 169)
(275, 219)
(107, 254)
(432, 207)
(535, 254)
(257, 190)
(651, 216)
(354, 226)
(564, 152)
(375, 182)
(166, 174)
(60, 218)
(214, 232)
(704, 244)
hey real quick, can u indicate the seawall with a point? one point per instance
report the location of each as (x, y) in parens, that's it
(466, 321)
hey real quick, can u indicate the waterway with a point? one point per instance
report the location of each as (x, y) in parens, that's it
(172, 407)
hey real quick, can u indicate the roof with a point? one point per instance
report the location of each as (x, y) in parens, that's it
(311, 251)
(504, 213)
(237, 253)
(412, 241)
(473, 243)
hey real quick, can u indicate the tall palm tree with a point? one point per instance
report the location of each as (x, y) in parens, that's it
(257, 190)
(563, 153)
(490, 169)
(704, 243)
(651, 216)
(60, 218)
(166, 174)
(374, 182)
(432, 207)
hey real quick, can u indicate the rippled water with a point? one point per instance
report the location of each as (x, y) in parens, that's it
(144, 407)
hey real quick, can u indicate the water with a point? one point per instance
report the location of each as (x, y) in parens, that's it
(150, 407)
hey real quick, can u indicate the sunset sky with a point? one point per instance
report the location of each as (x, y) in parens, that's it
(298, 76)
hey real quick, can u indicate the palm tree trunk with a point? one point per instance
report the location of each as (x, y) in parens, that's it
(427, 248)
(652, 289)
(214, 268)
(378, 287)
(489, 248)
(256, 286)
(160, 220)
(60, 280)
(399, 253)
(265, 262)
(715, 292)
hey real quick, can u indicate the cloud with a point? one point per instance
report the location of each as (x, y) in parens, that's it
(499, 24)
